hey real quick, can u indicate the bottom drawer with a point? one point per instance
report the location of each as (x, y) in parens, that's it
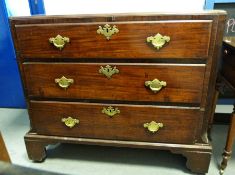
(127, 122)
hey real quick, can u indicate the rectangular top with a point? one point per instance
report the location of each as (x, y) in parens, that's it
(116, 16)
(189, 35)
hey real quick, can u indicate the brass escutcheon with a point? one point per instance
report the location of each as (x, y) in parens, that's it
(107, 31)
(108, 71)
(110, 111)
(153, 126)
(59, 41)
(155, 85)
(158, 41)
(70, 122)
(64, 82)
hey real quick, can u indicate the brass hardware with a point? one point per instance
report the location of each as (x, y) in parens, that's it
(110, 111)
(153, 126)
(107, 31)
(158, 41)
(155, 85)
(64, 82)
(108, 71)
(70, 122)
(59, 41)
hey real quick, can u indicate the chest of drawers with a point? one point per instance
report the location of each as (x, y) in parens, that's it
(126, 80)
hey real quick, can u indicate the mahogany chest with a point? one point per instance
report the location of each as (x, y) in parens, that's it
(127, 80)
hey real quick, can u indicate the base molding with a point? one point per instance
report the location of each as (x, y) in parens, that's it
(198, 155)
(197, 161)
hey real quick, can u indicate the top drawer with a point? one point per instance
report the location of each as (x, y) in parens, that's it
(188, 39)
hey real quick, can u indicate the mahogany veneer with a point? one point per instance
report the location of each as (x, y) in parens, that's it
(128, 84)
(128, 125)
(128, 43)
(186, 65)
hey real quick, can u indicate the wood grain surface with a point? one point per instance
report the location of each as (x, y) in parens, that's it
(180, 124)
(189, 39)
(188, 63)
(184, 82)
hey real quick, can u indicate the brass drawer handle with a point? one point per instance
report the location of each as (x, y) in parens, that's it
(153, 126)
(158, 41)
(155, 85)
(64, 82)
(107, 31)
(70, 122)
(108, 71)
(59, 41)
(110, 111)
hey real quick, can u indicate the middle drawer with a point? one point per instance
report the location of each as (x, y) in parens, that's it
(120, 81)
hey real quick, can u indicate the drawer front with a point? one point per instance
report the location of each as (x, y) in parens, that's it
(129, 82)
(188, 39)
(176, 125)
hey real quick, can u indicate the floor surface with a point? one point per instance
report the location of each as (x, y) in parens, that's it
(97, 160)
